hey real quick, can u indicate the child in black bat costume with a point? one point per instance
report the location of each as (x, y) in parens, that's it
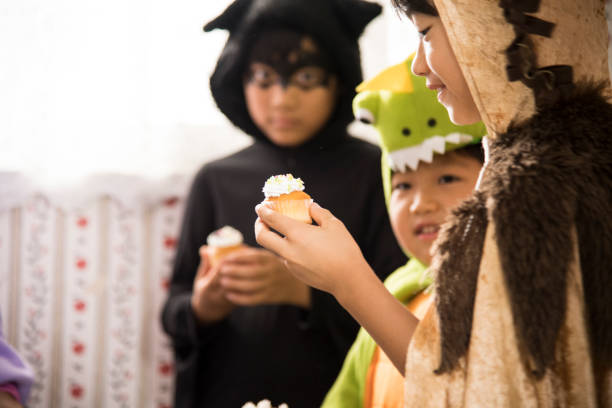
(247, 329)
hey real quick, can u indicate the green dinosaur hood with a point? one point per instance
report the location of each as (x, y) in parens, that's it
(412, 125)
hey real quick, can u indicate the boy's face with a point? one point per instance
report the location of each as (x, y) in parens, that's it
(292, 102)
(422, 199)
(436, 61)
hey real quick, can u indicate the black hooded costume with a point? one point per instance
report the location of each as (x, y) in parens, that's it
(279, 352)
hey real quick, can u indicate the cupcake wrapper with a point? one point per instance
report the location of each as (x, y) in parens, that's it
(215, 254)
(296, 209)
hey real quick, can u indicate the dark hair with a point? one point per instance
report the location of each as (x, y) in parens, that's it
(409, 7)
(474, 150)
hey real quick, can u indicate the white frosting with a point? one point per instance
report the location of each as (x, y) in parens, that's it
(282, 184)
(224, 237)
(263, 404)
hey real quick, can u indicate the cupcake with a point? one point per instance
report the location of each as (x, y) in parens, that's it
(285, 194)
(221, 242)
(263, 404)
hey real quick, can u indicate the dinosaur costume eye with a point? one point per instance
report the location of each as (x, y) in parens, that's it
(406, 132)
(431, 122)
(365, 116)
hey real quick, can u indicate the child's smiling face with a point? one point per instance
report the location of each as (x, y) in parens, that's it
(422, 199)
(436, 61)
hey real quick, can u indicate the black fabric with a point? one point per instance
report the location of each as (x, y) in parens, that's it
(335, 26)
(282, 353)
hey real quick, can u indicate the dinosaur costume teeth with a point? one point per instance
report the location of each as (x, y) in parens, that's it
(409, 157)
(393, 103)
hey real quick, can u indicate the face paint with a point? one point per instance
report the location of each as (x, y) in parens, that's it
(306, 78)
(286, 57)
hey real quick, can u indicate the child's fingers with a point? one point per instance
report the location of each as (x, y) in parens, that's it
(236, 284)
(320, 215)
(213, 275)
(277, 221)
(269, 239)
(204, 261)
(242, 271)
(247, 255)
(244, 299)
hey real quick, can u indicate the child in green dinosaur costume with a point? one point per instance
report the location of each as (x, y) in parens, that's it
(411, 124)
(421, 152)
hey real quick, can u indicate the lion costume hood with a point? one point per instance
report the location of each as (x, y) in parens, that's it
(523, 316)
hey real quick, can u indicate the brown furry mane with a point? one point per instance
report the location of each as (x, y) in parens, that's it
(546, 177)
(456, 276)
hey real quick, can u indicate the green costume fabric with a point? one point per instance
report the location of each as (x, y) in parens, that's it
(347, 391)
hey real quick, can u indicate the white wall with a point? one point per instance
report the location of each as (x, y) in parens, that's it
(122, 85)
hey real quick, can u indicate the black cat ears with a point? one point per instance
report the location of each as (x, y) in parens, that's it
(350, 15)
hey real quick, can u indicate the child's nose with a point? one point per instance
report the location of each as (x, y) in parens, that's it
(419, 63)
(283, 96)
(422, 203)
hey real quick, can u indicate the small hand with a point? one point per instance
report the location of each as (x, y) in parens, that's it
(327, 257)
(253, 276)
(323, 256)
(7, 401)
(209, 299)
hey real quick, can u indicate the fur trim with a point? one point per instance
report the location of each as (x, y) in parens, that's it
(545, 177)
(456, 276)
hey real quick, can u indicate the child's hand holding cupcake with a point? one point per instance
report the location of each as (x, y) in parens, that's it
(255, 276)
(322, 247)
(233, 274)
(209, 299)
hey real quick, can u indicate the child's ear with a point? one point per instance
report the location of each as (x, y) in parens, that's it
(356, 14)
(230, 17)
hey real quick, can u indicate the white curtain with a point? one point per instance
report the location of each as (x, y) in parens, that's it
(121, 86)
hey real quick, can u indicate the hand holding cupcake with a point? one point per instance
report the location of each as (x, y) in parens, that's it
(209, 299)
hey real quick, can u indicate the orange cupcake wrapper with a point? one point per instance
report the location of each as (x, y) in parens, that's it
(296, 209)
(215, 254)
